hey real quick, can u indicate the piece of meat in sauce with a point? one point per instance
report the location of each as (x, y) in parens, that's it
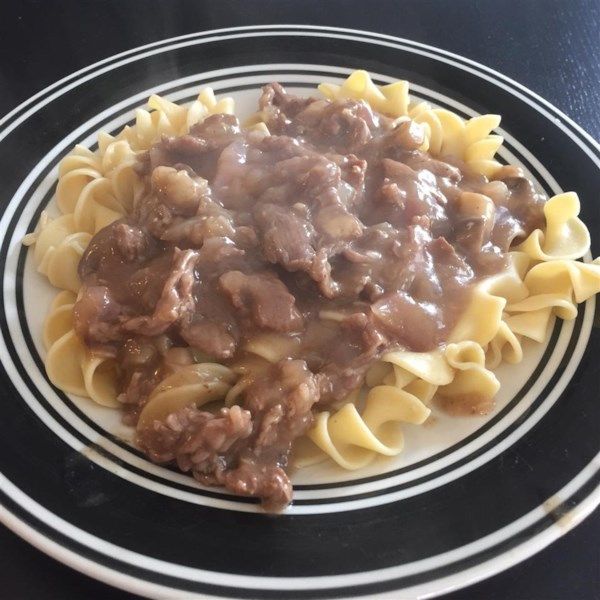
(243, 447)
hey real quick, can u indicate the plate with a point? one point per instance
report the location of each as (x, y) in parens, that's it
(468, 498)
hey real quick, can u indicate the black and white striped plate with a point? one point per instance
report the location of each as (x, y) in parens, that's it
(468, 498)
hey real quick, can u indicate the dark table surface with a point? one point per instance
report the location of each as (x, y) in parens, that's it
(551, 46)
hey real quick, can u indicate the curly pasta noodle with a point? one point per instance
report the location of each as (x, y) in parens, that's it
(544, 279)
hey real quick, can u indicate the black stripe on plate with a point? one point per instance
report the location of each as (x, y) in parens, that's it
(555, 514)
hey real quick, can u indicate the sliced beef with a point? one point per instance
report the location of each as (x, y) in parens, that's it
(132, 242)
(411, 323)
(210, 136)
(200, 149)
(335, 237)
(278, 107)
(286, 237)
(118, 247)
(525, 205)
(289, 384)
(281, 404)
(178, 189)
(142, 366)
(263, 298)
(97, 316)
(345, 125)
(256, 478)
(213, 339)
(197, 440)
(276, 410)
(360, 341)
(407, 135)
(219, 253)
(217, 131)
(176, 299)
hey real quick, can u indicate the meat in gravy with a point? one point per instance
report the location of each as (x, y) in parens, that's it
(335, 239)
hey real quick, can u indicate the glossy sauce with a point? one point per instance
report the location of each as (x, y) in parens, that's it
(323, 245)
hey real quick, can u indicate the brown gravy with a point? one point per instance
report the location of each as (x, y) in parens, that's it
(331, 241)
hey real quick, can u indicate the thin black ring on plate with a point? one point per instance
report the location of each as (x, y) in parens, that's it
(552, 517)
(381, 521)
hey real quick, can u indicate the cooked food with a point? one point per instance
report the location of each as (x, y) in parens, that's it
(325, 270)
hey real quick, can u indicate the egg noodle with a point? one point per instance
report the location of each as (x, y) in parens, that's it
(544, 279)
